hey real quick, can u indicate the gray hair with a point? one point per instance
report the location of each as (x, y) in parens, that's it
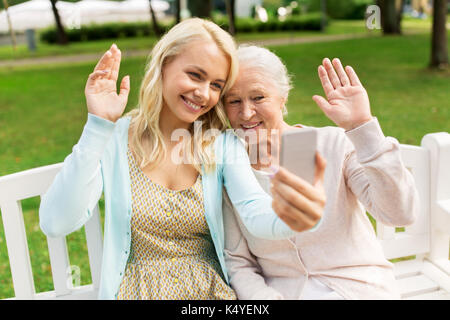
(269, 65)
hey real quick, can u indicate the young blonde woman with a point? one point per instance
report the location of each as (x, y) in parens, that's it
(163, 232)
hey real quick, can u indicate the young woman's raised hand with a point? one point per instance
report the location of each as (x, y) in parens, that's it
(297, 202)
(347, 103)
(101, 88)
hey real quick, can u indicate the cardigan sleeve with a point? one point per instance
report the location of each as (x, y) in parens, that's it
(252, 203)
(375, 173)
(68, 203)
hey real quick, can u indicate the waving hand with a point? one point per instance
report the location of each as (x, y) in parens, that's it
(101, 91)
(347, 103)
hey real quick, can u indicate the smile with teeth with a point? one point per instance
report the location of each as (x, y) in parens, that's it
(251, 126)
(194, 106)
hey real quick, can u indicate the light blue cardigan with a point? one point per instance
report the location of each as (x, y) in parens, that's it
(98, 163)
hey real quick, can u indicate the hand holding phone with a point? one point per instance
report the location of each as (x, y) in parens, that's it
(297, 187)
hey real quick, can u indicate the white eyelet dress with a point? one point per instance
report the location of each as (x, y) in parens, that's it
(172, 254)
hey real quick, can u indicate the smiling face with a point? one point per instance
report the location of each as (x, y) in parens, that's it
(192, 83)
(254, 103)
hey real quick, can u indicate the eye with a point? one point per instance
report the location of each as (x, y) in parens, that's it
(258, 98)
(234, 101)
(217, 85)
(194, 74)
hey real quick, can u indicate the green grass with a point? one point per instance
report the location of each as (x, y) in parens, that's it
(42, 113)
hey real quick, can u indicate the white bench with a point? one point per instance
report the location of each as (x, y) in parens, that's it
(427, 276)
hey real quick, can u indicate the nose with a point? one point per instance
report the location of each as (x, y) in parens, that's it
(202, 93)
(247, 111)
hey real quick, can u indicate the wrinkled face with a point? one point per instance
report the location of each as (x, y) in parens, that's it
(254, 103)
(193, 81)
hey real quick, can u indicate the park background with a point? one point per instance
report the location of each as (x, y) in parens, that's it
(42, 103)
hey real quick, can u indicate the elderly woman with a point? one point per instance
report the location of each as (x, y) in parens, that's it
(356, 166)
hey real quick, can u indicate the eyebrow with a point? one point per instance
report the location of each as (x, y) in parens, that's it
(256, 89)
(205, 73)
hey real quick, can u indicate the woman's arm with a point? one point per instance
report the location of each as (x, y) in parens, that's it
(243, 269)
(247, 196)
(68, 203)
(375, 173)
(374, 170)
(70, 200)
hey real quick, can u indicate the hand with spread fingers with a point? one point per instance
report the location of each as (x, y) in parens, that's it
(347, 103)
(297, 202)
(101, 89)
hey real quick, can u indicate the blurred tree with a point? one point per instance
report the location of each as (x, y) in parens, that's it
(439, 50)
(391, 15)
(11, 30)
(231, 16)
(177, 11)
(200, 8)
(62, 36)
(155, 25)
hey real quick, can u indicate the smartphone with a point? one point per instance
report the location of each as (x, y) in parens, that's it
(298, 152)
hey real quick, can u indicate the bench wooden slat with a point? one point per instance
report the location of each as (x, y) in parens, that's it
(435, 295)
(405, 269)
(404, 245)
(16, 243)
(416, 285)
(94, 240)
(416, 238)
(28, 183)
(86, 292)
(59, 260)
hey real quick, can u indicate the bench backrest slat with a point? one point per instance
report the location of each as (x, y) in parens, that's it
(94, 240)
(16, 243)
(59, 261)
(416, 238)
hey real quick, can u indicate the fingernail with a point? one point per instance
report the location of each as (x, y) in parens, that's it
(274, 170)
(108, 53)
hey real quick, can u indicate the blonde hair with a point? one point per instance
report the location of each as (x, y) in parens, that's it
(146, 137)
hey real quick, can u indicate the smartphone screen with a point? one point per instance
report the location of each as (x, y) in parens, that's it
(297, 154)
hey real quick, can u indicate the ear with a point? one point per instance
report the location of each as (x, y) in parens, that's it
(283, 103)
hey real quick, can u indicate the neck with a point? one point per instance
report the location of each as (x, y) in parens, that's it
(168, 125)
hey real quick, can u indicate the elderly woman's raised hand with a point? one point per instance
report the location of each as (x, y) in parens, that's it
(101, 88)
(297, 202)
(347, 103)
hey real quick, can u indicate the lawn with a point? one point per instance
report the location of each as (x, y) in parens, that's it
(42, 113)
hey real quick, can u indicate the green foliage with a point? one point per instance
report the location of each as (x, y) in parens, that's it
(129, 30)
(104, 31)
(339, 9)
(293, 23)
(349, 9)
